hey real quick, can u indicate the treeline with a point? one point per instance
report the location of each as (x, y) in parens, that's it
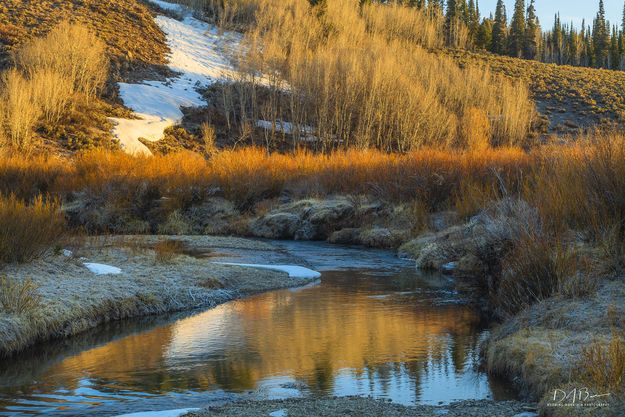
(600, 44)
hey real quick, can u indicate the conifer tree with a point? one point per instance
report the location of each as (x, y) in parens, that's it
(615, 58)
(516, 39)
(451, 20)
(532, 33)
(557, 40)
(601, 38)
(484, 39)
(500, 29)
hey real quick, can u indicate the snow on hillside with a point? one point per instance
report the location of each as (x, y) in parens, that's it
(199, 55)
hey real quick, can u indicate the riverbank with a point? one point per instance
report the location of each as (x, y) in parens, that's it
(365, 407)
(113, 278)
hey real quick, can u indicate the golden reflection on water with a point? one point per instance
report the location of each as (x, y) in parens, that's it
(310, 335)
(396, 336)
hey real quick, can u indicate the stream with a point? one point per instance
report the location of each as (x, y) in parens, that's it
(371, 326)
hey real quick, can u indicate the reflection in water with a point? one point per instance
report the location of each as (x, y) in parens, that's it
(399, 336)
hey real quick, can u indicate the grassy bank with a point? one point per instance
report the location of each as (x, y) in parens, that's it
(57, 296)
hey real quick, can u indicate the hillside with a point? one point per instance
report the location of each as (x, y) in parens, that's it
(135, 48)
(571, 97)
(127, 26)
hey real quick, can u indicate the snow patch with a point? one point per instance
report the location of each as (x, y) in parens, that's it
(101, 269)
(199, 53)
(166, 413)
(288, 128)
(168, 6)
(279, 413)
(294, 271)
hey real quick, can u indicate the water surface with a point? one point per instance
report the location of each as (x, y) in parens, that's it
(371, 326)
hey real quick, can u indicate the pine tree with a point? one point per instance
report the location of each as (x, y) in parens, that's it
(601, 38)
(532, 33)
(500, 29)
(557, 40)
(473, 20)
(615, 58)
(484, 38)
(516, 39)
(451, 21)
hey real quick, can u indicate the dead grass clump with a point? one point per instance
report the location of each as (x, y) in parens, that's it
(532, 271)
(175, 224)
(167, 250)
(603, 365)
(18, 297)
(212, 283)
(27, 231)
(583, 188)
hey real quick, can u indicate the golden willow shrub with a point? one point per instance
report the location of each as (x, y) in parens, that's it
(70, 51)
(20, 111)
(28, 230)
(50, 74)
(357, 77)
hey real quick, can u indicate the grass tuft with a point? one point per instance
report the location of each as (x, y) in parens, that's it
(18, 297)
(603, 365)
(167, 250)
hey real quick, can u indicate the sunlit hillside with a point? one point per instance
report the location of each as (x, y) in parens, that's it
(431, 204)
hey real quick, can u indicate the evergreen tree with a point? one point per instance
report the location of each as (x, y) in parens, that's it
(557, 40)
(601, 38)
(516, 39)
(473, 21)
(500, 30)
(532, 33)
(615, 58)
(484, 38)
(451, 21)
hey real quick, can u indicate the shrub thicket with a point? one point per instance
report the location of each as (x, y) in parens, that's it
(28, 230)
(52, 72)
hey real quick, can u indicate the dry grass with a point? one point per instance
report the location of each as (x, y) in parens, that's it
(81, 300)
(535, 270)
(18, 297)
(28, 230)
(584, 96)
(603, 365)
(583, 188)
(167, 250)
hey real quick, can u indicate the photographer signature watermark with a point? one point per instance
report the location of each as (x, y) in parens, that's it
(578, 397)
